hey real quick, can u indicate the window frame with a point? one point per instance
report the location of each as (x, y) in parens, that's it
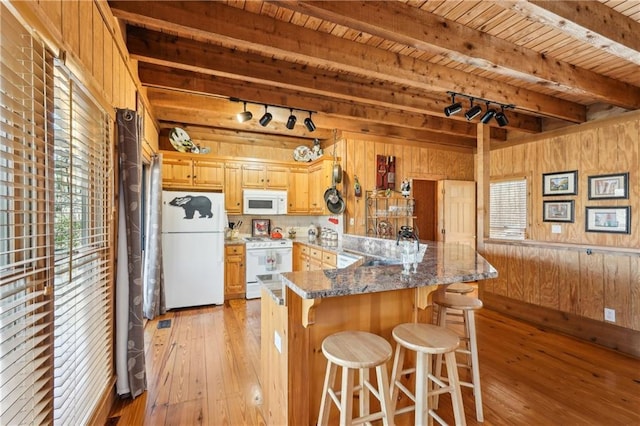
(527, 219)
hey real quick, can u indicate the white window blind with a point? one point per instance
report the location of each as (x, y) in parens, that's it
(26, 245)
(508, 209)
(83, 266)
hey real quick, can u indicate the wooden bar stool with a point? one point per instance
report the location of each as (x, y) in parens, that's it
(459, 288)
(426, 340)
(449, 306)
(356, 350)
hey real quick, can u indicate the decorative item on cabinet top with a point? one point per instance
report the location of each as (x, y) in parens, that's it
(181, 142)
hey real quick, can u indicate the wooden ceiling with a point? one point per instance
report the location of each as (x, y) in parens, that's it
(383, 68)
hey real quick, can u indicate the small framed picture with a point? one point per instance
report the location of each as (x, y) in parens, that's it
(560, 183)
(260, 227)
(608, 219)
(558, 211)
(607, 187)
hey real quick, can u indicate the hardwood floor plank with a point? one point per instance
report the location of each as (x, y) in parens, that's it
(205, 370)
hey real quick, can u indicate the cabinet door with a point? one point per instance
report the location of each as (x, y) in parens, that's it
(277, 177)
(253, 175)
(233, 188)
(176, 172)
(298, 195)
(329, 259)
(234, 272)
(319, 182)
(208, 174)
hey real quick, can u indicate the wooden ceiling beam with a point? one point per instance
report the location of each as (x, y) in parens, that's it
(194, 109)
(235, 28)
(414, 27)
(234, 76)
(588, 21)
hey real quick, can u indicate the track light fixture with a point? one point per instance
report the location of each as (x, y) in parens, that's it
(291, 121)
(488, 115)
(309, 124)
(244, 115)
(502, 119)
(454, 108)
(266, 118)
(475, 110)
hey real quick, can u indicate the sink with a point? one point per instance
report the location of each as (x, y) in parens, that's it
(382, 262)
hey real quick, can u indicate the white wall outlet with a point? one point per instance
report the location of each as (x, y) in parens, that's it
(352, 221)
(277, 341)
(556, 229)
(609, 314)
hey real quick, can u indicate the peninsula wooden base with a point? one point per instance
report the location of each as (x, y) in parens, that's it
(292, 362)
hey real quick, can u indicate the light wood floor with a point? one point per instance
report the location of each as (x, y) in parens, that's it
(205, 369)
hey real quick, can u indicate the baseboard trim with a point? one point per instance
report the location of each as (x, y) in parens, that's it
(608, 335)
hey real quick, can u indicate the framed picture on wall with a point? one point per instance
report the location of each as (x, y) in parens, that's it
(560, 183)
(607, 187)
(558, 211)
(608, 219)
(260, 227)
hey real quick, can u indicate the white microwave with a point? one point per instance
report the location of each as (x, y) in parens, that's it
(264, 202)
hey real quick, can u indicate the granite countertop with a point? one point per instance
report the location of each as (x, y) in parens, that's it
(441, 263)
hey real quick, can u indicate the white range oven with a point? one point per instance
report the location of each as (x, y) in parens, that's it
(266, 256)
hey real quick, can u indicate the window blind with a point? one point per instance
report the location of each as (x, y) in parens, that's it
(508, 209)
(26, 226)
(83, 186)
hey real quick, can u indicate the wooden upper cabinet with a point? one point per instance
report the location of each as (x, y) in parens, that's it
(298, 195)
(233, 188)
(177, 172)
(319, 181)
(264, 176)
(208, 174)
(187, 172)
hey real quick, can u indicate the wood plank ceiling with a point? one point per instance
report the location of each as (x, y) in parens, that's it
(383, 68)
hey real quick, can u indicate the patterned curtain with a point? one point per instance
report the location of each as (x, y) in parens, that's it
(129, 148)
(154, 303)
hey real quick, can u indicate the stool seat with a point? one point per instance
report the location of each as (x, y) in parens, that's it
(356, 349)
(426, 340)
(457, 301)
(460, 288)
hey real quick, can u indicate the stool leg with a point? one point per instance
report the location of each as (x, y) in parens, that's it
(325, 402)
(363, 394)
(346, 397)
(422, 402)
(396, 374)
(475, 366)
(385, 400)
(454, 384)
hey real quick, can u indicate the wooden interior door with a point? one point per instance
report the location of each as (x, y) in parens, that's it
(424, 193)
(457, 211)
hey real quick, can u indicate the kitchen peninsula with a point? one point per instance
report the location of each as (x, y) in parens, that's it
(299, 309)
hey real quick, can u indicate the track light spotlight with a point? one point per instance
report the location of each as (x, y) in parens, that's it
(454, 108)
(291, 121)
(310, 125)
(266, 118)
(473, 111)
(488, 115)
(244, 115)
(501, 119)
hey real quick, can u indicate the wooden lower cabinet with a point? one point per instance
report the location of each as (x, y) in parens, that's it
(312, 258)
(234, 272)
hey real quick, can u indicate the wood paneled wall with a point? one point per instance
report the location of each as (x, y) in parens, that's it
(412, 162)
(574, 272)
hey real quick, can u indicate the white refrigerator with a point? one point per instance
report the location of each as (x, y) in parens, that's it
(193, 248)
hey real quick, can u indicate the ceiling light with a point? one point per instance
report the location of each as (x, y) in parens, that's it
(473, 111)
(501, 119)
(291, 122)
(488, 115)
(266, 118)
(244, 115)
(310, 125)
(454, 108)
